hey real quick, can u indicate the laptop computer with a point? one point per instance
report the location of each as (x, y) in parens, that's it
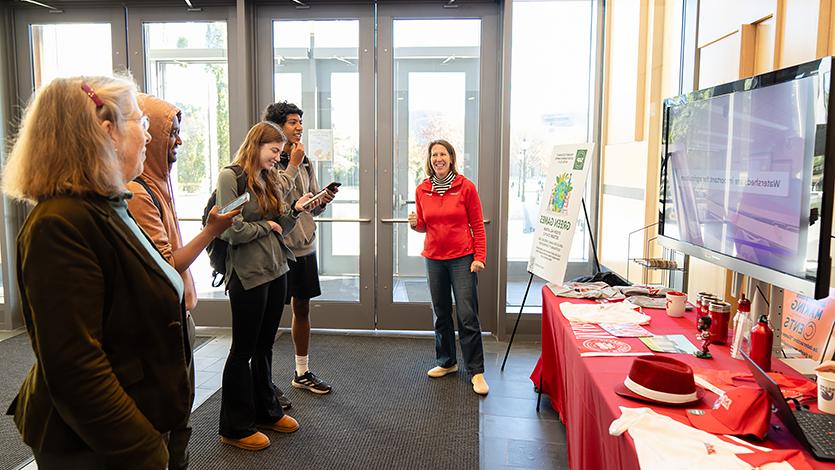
(815, 430)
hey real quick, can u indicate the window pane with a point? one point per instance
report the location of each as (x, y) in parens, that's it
(543, 115)
(436, 97)
(186, 65)
(316, 68)
(66, 50)
(288, 87)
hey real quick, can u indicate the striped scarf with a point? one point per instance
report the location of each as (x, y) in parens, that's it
(441, 185)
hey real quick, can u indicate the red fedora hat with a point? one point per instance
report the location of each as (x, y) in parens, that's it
(660, 380)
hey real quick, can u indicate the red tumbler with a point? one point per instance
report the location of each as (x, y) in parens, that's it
(762, 338)
(720, 315)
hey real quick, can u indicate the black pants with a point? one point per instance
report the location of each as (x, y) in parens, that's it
(249, 395)
(177, 439)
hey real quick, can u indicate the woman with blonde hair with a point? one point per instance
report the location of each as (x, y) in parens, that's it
(103, 309)
(256, 267)
(455, 248)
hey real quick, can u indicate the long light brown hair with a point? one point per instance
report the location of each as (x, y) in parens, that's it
(61, 147)
(450, 150)
(264, 184)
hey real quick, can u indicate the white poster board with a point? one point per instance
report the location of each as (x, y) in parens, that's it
(565, 184)
(320, 144)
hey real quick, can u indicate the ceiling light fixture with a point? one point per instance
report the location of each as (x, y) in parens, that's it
(33, 2)
(449, 4)
(300, 4)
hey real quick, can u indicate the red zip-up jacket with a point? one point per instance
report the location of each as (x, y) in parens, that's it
(453, 223)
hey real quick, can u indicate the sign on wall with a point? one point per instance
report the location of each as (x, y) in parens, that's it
(320, 144)
(563, 195)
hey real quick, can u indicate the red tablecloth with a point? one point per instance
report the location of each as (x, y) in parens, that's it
(582, 389)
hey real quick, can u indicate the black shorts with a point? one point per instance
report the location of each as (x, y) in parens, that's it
(303, 278)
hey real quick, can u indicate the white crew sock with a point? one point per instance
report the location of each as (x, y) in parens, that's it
(301, 365)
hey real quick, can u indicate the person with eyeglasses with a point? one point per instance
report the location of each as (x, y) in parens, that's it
(103, 309)
(152, 205)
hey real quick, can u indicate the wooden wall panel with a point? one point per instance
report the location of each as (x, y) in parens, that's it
(719, 61)
(799, 39)
(623, 70)
(764, 42)
(718, 18)
(671, 70)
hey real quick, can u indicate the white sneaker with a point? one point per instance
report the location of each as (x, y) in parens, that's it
(439, 371)
(480, 385)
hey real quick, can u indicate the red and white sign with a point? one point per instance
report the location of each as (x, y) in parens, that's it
(592, 341)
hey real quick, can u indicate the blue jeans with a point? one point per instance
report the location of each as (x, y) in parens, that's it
(453, 276)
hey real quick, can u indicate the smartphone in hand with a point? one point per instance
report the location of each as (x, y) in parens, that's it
(238, 202)
(318, 196)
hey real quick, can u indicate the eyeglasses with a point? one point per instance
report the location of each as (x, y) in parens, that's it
(144, 122)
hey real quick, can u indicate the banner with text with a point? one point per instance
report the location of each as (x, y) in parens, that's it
(807, 324)
(561, 200)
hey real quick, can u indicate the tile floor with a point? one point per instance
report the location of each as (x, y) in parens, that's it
(513, 435)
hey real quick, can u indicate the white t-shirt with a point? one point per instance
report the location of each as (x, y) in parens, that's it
(663, 443)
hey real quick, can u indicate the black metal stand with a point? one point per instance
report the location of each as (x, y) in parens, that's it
(591, 239)
(597, 270)
(527, 289)
(518, 317)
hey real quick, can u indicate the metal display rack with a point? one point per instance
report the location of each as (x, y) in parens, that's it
(674, 263)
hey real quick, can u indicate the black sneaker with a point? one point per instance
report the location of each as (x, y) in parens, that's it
(283, 400)
(309, 381)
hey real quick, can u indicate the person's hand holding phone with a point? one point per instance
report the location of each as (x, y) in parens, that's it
(301, 203)
(217, 223)
(329, 193)
(413, 219)
(296, 154)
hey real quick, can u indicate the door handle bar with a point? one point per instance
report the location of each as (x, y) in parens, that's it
(406, 221)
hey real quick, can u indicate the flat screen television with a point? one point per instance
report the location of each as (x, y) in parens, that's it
(747, 176)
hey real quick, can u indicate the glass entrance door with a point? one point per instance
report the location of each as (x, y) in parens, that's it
(323, 66)
(431, 86)
(369, 131)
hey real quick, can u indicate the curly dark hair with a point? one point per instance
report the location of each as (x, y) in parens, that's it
(278, 112)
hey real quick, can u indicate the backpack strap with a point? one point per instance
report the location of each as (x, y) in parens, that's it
(154, 198)
(240, 177)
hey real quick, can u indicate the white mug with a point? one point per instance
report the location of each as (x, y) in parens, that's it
(675, 303)
(826, 392)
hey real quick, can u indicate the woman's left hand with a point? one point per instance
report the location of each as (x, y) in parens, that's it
(476, 266)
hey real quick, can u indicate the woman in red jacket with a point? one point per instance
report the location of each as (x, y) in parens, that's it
(455, 248)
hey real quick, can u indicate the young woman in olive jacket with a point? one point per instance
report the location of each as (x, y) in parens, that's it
(256, 265)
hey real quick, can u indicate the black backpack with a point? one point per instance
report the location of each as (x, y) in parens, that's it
(217, 247)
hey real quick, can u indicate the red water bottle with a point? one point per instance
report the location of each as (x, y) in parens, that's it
(761, 339)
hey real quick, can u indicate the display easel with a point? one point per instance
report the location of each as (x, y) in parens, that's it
(597, 270)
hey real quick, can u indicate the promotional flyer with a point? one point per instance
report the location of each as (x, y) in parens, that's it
(558, 212)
